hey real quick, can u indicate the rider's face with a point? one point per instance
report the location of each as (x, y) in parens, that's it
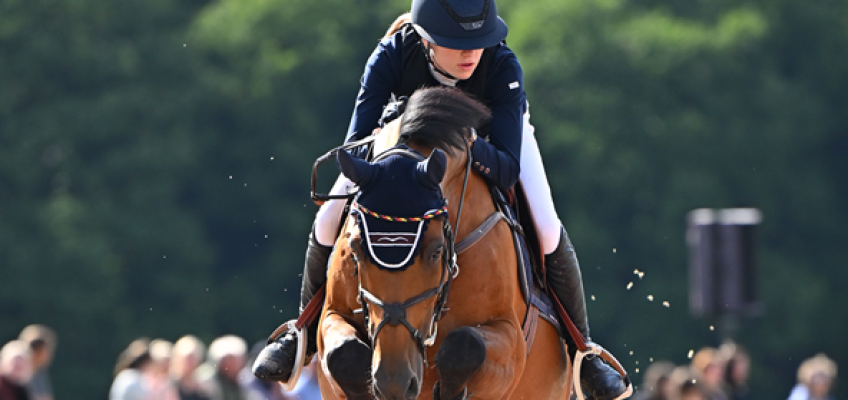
(459, 63)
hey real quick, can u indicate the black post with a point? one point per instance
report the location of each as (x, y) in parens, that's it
(722, 265)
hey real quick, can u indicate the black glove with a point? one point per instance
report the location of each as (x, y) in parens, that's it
(393, 110)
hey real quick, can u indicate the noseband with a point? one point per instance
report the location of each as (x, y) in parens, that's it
(395, 313)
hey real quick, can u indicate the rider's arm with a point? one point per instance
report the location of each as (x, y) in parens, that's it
(381, 77)
(498, 159)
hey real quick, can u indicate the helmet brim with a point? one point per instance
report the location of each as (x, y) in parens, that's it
(490, 39)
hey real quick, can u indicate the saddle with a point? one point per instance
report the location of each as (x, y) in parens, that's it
(531, 266)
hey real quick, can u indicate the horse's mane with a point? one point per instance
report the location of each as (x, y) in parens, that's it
(440, 117)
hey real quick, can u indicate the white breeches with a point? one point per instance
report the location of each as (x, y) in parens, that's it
(330, 214)
(538, 192)
(532, 177)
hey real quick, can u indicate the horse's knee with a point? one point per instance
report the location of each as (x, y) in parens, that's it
(350, 366)
(460, 355)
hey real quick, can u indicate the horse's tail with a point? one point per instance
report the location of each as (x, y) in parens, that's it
(405, 18)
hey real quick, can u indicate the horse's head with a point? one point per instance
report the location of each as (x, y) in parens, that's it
(402, 255)
(403, 247)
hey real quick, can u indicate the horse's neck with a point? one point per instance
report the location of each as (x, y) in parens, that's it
(387, 137)
(476, 202)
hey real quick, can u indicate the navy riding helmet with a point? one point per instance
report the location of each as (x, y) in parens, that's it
(459, 24)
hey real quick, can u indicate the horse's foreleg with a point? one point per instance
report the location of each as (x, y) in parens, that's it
(461, 354)
(346, 358)
(485, 360)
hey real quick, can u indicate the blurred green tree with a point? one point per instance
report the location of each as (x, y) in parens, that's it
(155, 157)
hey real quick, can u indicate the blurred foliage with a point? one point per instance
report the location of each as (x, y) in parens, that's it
(155, 159)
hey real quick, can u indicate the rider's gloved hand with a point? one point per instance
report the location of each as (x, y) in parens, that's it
(393, 110)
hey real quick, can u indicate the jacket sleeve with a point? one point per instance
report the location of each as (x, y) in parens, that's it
(380, 78)
(498, 159)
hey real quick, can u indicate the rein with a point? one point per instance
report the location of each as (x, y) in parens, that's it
(320, 198)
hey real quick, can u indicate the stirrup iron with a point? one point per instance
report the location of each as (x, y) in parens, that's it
(598, 351)
(299, 356)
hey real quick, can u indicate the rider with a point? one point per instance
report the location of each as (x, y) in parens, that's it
(457, 43)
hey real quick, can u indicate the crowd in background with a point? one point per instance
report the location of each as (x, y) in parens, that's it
(154, 369)
(722, 374)
(186, 370)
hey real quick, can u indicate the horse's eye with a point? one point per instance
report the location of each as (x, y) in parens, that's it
(436, 255)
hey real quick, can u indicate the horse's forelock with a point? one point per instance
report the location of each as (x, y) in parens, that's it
(440, 117)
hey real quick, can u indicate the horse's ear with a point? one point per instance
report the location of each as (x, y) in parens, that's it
(432, 170)
(358, 171)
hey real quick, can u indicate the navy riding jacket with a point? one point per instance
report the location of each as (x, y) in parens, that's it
(399, 65)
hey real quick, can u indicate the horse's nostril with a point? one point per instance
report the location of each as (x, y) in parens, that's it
(412, 392)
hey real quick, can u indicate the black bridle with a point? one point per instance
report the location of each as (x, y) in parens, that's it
(395, 313)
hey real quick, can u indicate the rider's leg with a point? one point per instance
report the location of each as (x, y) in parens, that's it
(276, 361)
(561, 266)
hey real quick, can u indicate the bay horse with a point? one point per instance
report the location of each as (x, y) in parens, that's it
(420, 321)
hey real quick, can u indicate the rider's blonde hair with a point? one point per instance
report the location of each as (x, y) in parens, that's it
(395, 26)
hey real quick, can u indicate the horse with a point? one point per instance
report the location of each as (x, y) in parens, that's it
(422, 322)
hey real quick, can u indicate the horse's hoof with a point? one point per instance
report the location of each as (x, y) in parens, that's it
(461, 354)
(350, 366)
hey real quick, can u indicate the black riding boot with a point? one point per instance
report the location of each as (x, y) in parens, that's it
(276, 361)
(599, 380)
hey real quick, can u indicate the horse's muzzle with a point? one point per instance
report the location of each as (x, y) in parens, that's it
(401, 382)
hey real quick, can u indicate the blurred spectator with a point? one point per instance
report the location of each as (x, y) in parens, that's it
(128, 383)
(255, 388)
(815, 379)
(42, 344)
(307, 386)
(684, 385)
(186, 356)
(218, 376)
(157, 377)
(137, 375)
(656, 385)
(692, 390)
(708, 368)
(737, 371)
(15, 370)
